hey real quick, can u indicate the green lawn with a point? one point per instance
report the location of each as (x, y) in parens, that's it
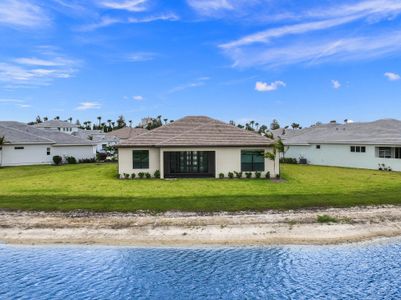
(95, 187)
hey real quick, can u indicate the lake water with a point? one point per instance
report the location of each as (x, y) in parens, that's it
(358, 271)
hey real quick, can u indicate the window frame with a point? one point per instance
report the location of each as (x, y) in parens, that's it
(381, 150)
(19, 148)
(254, 166)
(142, 162)
(318, 147)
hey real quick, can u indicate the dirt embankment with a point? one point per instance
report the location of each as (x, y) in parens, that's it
(189, 229)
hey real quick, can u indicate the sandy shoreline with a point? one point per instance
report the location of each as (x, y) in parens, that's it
(189, 229)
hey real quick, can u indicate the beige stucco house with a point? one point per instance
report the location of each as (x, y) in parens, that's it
(196, 146)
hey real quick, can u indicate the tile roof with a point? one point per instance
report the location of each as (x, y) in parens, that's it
(380, 132)
(55, 124)
(197, 131)
(20, 133)
(127, 132)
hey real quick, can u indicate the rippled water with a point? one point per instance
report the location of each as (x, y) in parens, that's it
(362, 271)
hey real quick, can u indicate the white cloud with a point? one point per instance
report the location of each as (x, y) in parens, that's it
(268, 87)
(209, 6)
(137, 98)
(392, 76)
(88, 105)
(300, 42)
(22, 13)
(336, 84)
(201, 81)
(31, 71)
(15, 102)
(141, 56)
(108, 21)
(129, 5)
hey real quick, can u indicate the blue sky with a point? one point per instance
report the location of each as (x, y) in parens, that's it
(297, 61)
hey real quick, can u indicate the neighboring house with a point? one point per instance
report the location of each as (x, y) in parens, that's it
(126, 133)
(196, 146)
(62, 126)
(100, 138)
(356, 145)
(27, 145)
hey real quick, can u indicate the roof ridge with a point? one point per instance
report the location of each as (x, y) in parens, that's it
(186, 131)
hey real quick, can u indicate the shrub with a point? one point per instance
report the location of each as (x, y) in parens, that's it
(57, 160)
(87, 160)
(258, 174)
(326, 219)
(101, 156)
(267, 175)
(230, 175)
(238, 174)
(288, 160)
(157, 174)
(278, 176)
(248, 175)
(141, 175)
(71, 160)
(221, 175)
(133, 175)
(147, 175)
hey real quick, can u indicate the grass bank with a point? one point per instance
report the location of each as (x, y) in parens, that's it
(95, 187)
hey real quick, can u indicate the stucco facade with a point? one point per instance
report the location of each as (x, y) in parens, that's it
(340, 155)
(20, 155)
(228, 159)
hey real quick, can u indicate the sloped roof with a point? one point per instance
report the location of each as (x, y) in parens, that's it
(127, 132)
(20, 133)
(55, 124)
(380, 132)
(197, 131)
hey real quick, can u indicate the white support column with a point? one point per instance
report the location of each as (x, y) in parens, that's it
(161, 163)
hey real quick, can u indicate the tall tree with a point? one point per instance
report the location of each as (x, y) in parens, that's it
(99, 120)
(274, 125)
(38, 120)
(121, 122)
(70, 119)
(57, 118)
(295, 125)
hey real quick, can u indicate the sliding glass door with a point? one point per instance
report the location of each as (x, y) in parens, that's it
(189, 164)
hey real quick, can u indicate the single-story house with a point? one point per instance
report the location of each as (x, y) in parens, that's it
(100, 138)
(62, 126)
(196, 146)
(27, 145)
(368, 145)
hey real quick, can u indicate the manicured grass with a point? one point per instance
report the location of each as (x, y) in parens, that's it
(95, 187)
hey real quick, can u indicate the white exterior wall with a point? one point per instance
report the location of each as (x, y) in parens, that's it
(30, 155)
(125, 161)
(228, 159)
(79, 152)
(341, 156)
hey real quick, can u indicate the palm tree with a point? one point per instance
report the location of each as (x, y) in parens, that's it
(165, 121)
(100, 120)
(45, 119)
(278, 147)
(70, 119)
(130, 123)
(57, 118)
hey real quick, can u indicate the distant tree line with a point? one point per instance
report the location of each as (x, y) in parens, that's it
(109, 124)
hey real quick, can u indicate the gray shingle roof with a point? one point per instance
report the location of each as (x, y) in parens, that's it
(20, 133)
(197, 131)
(380, 132)
(55, 124)
(127, 132)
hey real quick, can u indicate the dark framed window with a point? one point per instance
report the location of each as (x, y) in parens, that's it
(385, 152)
(358, 149)
(397, 153)
(317, 146)
(252, 160)
(48, 151)
(19, 148)
(140, 159)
